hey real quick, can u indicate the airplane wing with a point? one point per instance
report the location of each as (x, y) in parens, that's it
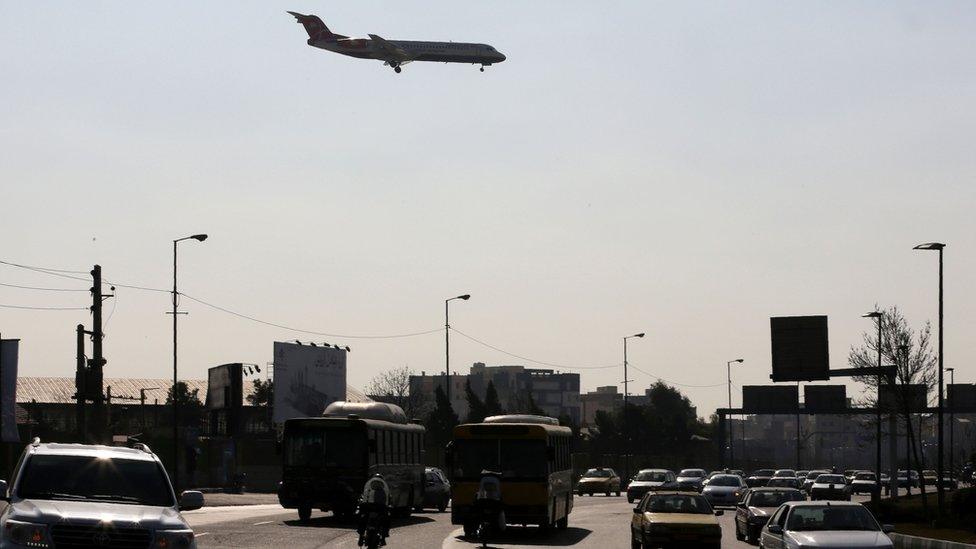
(391, 50)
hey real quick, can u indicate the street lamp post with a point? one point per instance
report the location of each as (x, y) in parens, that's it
(941, 493)
(952, 425)
(447, 345)
(176, 408)
(728, 368)
(624, 415)
(878, 316)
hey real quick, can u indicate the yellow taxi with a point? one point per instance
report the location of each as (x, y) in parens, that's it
(668, 519)
(601, 480)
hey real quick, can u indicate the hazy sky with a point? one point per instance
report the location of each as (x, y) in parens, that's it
(683, 169)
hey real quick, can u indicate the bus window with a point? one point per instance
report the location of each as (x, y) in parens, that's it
(321, 447)
(514, 458)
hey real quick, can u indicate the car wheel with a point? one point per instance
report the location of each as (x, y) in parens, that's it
(630, 499)
(753, 536)
(304, 513)
(616, 494)
(738, 533)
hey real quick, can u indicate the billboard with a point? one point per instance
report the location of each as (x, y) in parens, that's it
(962, 397)
(8, 390)
(770, 399)
(800, 351)
(225, 386)
(916, 397)
(306, 379)
(824, 398)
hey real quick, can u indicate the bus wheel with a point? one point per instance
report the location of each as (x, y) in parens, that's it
(304, 513)
(562, 523)
(469, 529)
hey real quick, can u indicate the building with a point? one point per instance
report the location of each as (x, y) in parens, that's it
(557, 394)
(604, 399)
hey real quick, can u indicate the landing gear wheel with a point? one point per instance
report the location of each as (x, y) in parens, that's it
(304, 513)
(397, 70)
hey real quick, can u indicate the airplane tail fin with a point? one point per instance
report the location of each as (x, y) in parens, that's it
(314, 26)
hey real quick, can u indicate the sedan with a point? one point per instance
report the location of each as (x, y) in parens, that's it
(864, 483)
(672, 519)
(799, 524)
(784, 482)
(759, 478)
(812, 476)
(650, 480)
(691, 479)
(753, 511)
(599, 481)
(830, 487)
(724, 490)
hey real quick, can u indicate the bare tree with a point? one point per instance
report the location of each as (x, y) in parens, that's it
(393, 386)
(911, 353)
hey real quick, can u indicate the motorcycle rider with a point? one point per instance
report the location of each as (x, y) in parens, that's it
(375, 500)
(488, 499)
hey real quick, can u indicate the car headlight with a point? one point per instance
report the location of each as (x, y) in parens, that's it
(169, 539)
(28, 534)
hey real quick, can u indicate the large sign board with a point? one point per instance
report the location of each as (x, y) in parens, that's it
(8, 390)
(770, 399)
(800, 349)
(307, 379)
(914, 396)
(225, 386)
(824, 398)
(962, 397)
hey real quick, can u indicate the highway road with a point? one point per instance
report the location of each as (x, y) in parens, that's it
(596, 523)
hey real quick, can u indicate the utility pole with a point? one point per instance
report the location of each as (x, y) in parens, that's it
(81, 388)
(95, 380)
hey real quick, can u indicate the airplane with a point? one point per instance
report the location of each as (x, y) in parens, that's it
(396, 53)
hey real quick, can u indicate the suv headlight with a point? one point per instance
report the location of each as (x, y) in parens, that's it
(28, 534)
(173, 539)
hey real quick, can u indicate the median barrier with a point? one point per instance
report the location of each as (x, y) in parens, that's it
(902, 541)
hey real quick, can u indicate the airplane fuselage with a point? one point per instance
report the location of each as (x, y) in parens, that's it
(445, 52)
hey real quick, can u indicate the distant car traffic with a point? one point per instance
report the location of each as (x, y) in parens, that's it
(724, 490)
(600, 480)
(437, 490)
(812, 476)
(784, 473)
(755, 508)
(864, 483)
(759, 478)
(61, 494)
(650, 480)
(669, 519)
(904, 476)
(691, 479)
(784, 482)
(799, 524)
(930, 477)
(830, 487)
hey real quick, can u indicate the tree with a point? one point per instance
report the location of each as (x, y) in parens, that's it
(531, 407)
(476, 407)
(188, 402)
(393, 386)
(493, 406)
(263, 393)
(185, 398)
(442, 419)
(911, 353)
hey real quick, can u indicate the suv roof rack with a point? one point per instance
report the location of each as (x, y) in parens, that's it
(142, 446)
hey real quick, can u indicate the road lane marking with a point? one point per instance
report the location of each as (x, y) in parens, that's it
(263, 522)
(201, 534)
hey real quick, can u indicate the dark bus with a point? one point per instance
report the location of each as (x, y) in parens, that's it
(326, 460)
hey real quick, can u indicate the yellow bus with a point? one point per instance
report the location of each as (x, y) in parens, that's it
(532, 454)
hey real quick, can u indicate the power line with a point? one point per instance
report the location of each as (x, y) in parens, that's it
(675, 382)
(292, 329)
(31, 308)
(44, 289)
(47, 271)
(550, 364)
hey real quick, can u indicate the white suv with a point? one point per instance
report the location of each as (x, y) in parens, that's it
(76, 495)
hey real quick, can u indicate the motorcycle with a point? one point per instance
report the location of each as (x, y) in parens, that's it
(372, 537)
(488, 508)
